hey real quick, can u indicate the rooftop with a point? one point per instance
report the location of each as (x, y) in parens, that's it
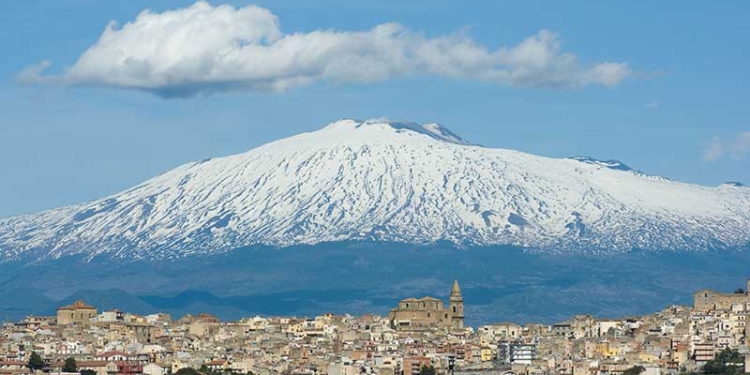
(77, 305)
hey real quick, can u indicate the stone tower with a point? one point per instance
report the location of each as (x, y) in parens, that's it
(456, 306)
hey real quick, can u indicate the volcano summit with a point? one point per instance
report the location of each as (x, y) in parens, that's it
(388, 181)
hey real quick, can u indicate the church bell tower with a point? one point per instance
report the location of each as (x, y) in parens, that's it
(456, 306)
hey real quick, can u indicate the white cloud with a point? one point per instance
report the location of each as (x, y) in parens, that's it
(33, 73)
(736, 148)
(204, 48)
(714, 150)
(740, 146)
(654, 104)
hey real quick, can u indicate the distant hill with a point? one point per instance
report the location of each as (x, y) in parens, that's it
(501, 283)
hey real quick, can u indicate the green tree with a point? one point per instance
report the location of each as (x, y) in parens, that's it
(36, 362)
(727, 362)
(635, 370)
(186, 371)
(427, 370)
(70, 365)
(739, 291)
(88, 372)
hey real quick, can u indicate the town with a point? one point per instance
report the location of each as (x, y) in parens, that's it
(420, 336)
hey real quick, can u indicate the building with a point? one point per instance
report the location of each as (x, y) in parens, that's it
(501, 331)
(35, 322)
(562, 329)
(708, 300)
(456, 306)
(703, 352)
(111, 316)
(413, 365)
(516, 352)
(154, 369)
(78, 313)
(428, 312)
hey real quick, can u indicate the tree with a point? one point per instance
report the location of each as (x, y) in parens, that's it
(739, 291)
(635, 370)
(727, 362)
(70, 365)
(427, 370)
(36, 362)
(88, 372)
(186, 371)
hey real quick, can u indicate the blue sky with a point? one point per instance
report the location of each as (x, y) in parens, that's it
(686, 95)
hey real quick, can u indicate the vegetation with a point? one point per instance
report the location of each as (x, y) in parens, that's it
(186, 371)
(204, 370)
(427, 370)
(36, 362)
(70, 365)
(727, 362)
(88, 372)
(635, 370)
(739, 291)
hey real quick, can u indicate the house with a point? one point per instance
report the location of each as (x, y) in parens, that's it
(501, 331)
(154, 369)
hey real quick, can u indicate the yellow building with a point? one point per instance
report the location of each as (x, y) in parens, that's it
(606, 350)
(486, 354)
(78, 313)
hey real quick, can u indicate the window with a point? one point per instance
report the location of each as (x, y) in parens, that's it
(454, 309)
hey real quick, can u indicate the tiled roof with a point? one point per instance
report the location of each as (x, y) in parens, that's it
(113, 353)
(78, 305)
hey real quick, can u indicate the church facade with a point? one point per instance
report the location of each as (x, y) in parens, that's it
(414, 314)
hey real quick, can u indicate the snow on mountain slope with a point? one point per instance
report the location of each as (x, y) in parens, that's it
(402, 182)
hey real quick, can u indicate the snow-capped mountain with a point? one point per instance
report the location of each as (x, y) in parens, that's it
(379, 180)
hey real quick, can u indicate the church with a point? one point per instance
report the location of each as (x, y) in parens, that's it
(414, 314)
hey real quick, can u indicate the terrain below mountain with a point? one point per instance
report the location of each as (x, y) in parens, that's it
(499, 283)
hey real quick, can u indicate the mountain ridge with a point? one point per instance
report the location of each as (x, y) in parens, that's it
(387, 181)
